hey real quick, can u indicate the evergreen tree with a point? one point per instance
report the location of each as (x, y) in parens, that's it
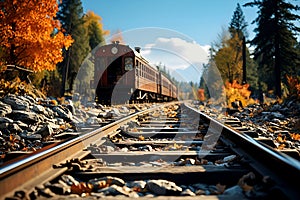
(238, 24)
(72, 20)
(95, 35)
(275, 41)
(227, 57)
(211, 80)
(93, 24)
(252, 74)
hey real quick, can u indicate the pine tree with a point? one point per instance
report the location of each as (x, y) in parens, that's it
(228, 54)
(238, 24)
(93, 24)
(275, 41)
(211, 80)
(95, 33)
(229, 58)
(72, 19)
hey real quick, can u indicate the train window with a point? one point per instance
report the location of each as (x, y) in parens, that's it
(128, 63)
(140, 70)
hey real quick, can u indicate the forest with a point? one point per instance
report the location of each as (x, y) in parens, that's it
(44, 43)
(271, 70)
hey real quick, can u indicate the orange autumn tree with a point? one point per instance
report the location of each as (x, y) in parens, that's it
(91, 17)
(237, 92)
(31, 37)
(293, 85)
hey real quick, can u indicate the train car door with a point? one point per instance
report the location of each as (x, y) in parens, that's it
(114, 70)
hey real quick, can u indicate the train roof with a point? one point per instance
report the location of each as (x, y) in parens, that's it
(135, 50)
(139, 55)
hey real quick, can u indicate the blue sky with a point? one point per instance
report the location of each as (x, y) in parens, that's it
(201, 20)
(175, 33)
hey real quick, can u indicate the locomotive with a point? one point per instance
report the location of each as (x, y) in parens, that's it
(127, 77)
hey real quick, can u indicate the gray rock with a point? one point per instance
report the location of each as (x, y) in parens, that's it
(118, 190)
(69, 180)
(16, 103)
(115, 112)
(49, 112)
(34, 136)
(278, 115)
(45, 131)
(124, 109)
(235, 190)
(24, 116)
(32, 128)
(136, 184)
(6, 120)
(110, 179)
(200, 186)
(14, 128)
(38, 109)
(63, 113)
(60, 121)
(93, 120)
(187, 192)
(58, 188)
(4, 125)
(4, 109)
(23, 134)
(52, 125)
(163, 187)
(30, 99)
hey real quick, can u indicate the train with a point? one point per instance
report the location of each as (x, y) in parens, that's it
(125, 76)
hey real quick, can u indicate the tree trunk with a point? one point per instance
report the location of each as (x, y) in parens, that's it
(65, 72)
(277, 66)
(244, 81)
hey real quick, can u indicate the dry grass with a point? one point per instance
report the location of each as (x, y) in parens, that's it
(18, 87)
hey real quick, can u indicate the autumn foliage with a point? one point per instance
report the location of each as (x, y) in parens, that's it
(237, 92)
(19, 87)
(91, 17)
(293, 86)
(30, 35)
(201, 94)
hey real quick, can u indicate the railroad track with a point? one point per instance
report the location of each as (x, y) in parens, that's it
(173, 151)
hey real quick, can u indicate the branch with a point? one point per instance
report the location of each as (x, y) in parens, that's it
(18, 68)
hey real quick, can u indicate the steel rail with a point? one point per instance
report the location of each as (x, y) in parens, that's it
(28, 173)
(23, 174)
(281, 168)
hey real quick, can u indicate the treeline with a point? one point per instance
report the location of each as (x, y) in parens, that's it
(275, 58)
(49, 38)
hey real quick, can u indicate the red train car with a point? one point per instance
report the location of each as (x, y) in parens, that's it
(123, 76)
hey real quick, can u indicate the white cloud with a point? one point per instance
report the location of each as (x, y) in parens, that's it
(176, 53)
